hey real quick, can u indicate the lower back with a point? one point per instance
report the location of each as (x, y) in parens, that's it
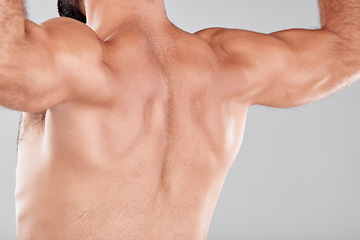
(75, 185)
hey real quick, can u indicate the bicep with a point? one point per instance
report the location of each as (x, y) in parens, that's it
(288, 68)
(50, 66)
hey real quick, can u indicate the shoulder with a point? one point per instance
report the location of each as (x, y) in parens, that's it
(213, 36)
(221, 35)
(245, 56)
(208, 33)
(65, 39)
(68, 34)
(68, 25)
(77, 54)
(233, 40)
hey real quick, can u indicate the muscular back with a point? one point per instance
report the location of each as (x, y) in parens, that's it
(146, 163)
(130, 136)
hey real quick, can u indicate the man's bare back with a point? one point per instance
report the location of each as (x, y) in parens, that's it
(134, 137)
(146, 164)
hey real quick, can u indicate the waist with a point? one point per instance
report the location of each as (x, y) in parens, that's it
(58, 202)
(111, 210)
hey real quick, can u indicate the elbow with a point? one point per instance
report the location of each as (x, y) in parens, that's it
(345, 47)
(343, 61)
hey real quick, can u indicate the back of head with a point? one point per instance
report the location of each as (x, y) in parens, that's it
(71, 9)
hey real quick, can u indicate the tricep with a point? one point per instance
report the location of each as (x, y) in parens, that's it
(287, 68)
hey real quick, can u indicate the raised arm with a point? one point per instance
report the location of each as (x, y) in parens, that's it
(292, 67)
(42, 66)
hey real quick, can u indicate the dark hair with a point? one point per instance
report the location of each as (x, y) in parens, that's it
(71, 9)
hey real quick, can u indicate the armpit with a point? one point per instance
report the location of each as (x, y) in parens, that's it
(31, 122)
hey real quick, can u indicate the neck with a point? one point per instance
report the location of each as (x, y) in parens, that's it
(106, 16)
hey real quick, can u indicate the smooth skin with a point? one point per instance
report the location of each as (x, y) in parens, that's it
(130, 124)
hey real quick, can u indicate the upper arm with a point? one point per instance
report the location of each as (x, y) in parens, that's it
(58, 61)
(287, 68)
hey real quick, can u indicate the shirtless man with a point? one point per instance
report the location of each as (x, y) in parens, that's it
(130, 124)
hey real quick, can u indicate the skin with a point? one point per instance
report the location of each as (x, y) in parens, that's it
(130, 124)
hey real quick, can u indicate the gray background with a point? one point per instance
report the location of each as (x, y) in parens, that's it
(297, 175)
